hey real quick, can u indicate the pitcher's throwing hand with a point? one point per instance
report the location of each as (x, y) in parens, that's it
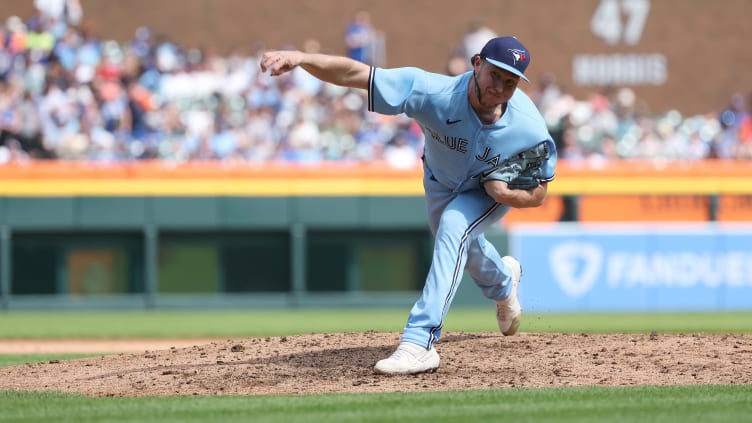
(279, 62)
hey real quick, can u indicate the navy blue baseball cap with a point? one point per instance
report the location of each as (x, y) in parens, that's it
(507, 53)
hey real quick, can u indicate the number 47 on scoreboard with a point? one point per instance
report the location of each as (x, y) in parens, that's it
(617, 21)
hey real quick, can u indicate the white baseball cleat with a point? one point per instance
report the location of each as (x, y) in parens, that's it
(509, 311)
(409, 359)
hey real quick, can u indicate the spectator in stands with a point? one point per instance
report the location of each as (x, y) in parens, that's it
(546, 92)
(731, 119)
(745, 134)
(359, 36)
(476, 36)
(698, 148)
(457, 64)
(63, 12)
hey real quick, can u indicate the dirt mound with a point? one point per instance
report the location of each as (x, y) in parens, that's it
(329, 363)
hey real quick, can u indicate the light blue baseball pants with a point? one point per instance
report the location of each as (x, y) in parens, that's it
(457, 221)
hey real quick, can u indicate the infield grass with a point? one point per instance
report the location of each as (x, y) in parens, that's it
(677, 404)
(243, 323)
(14, 359)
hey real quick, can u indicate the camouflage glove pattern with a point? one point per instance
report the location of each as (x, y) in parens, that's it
(520, 171)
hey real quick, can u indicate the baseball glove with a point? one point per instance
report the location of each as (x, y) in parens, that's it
(520, 171)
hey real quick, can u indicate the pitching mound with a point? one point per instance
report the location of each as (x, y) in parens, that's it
(328, 363)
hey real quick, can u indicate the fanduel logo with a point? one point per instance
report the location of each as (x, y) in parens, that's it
(576, 266)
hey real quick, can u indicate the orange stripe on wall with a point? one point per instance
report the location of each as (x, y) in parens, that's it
(218, 178)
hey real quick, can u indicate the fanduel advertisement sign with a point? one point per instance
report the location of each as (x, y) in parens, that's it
(634, 268)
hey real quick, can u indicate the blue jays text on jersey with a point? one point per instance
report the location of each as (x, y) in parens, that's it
(453, 143)
(460, 145)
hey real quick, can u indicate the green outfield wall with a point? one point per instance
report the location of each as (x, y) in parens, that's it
(147, 251)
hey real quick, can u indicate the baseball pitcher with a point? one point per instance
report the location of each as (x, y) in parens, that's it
(487, 150)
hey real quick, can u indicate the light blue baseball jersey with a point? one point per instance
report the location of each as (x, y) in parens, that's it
(458, 146)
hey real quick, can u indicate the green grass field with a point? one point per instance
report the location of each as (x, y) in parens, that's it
(239, 323)
(561, 404)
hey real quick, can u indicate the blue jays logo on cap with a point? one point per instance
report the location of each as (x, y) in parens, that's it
(507, 53)
(518, 54)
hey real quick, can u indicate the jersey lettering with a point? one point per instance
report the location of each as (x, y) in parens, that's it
(454, 143)
(493, 161)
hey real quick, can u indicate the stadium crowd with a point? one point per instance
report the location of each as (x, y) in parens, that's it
(66, 94)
